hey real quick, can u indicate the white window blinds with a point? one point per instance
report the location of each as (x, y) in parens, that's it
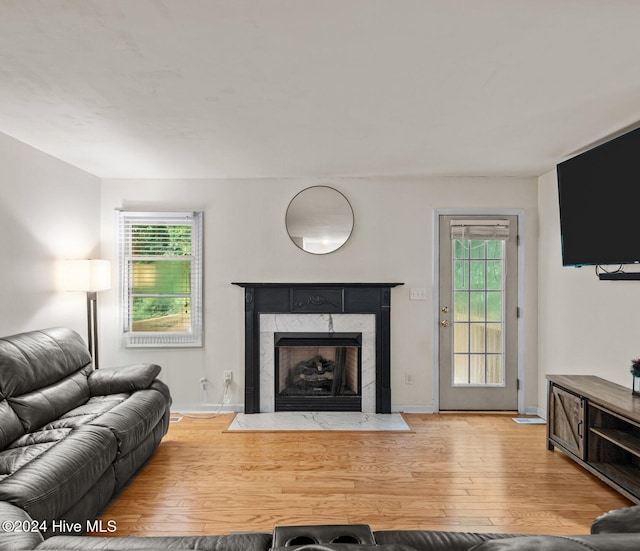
(497, 230)
(161, 278)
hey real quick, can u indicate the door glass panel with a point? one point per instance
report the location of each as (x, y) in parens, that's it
(461, 369)
(494, 274)
(494, 306)
(478, 271)
(476, 309)
(495, 372)
(461, 309)
(478, 249)
(494, 249)
(494, 338)
(461, 336)
(478, 343)
(477, 375)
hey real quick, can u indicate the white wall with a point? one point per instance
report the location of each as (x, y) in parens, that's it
(586, 326)
(246, 240)
(49, 211)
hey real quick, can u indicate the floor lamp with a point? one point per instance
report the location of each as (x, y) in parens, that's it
(89, 276)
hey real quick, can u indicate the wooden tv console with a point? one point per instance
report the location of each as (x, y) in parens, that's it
(597, 424)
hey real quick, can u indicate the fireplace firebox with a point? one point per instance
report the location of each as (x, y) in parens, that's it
(318, 371)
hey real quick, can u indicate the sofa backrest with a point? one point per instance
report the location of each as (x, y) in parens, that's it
(43, 374)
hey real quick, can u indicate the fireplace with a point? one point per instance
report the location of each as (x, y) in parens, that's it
(318, 371)
(328, 308)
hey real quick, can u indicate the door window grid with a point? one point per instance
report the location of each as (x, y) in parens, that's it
(478, 335)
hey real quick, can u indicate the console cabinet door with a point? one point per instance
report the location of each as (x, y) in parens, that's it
(566, 423)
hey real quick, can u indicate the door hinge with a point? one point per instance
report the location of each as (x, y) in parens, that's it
(517, 240)
(517, 384)
(517, 311)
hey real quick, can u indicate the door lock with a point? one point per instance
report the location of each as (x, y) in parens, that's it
(444, 309)
(445, 323)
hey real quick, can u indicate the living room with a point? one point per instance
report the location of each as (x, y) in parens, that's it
(60, 194)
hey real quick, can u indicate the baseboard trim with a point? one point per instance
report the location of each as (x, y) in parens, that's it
(412, 409)
(207, 408)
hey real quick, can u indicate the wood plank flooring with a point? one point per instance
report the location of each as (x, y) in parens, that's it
(465, 472)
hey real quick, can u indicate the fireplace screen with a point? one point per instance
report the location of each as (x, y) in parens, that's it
(318, 371)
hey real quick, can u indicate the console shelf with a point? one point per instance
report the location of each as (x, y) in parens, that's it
(597, 423)
(620, 438)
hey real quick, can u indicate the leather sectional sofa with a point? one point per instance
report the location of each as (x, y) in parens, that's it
(70, 436)
(613, 531)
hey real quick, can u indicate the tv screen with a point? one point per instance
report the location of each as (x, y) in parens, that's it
(599, 193)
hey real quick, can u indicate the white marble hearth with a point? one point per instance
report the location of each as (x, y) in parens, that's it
(319, 421)
(317, 323)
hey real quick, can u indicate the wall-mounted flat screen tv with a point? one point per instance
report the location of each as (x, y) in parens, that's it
(599, 193)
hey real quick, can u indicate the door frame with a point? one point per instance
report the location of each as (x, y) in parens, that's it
(520, 214)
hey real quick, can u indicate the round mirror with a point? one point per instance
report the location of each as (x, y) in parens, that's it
(319, 220)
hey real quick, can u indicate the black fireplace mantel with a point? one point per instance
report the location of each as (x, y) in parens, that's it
(317, 298)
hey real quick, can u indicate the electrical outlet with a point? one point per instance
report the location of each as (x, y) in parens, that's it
(204, 382)
(408, 378)
(226, 399)
(228, 376)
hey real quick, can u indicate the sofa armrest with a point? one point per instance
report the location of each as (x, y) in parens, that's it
(17, 529)
(123, 379)
(617, 521)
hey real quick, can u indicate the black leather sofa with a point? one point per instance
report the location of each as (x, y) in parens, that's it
(613, 531)
(70, 436)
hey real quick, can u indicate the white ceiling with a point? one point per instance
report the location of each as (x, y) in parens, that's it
(316, 88)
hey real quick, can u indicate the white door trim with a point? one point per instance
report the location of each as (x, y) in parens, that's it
(520, 213)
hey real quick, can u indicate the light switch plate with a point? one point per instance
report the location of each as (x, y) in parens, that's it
(418, 293)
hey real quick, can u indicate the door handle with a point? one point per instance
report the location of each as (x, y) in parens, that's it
(445, 323)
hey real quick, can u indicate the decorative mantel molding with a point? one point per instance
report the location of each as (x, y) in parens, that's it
(317, 298)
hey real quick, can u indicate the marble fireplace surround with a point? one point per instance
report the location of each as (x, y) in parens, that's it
(317, 323)
(298, 307)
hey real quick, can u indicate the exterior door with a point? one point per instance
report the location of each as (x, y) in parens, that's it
(478, 340)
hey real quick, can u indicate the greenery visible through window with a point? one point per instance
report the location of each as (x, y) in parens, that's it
(161, 261)
(478, 279)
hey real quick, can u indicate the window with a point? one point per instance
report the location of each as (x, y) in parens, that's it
(161, 278)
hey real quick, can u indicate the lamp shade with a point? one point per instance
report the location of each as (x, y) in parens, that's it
(88, 275)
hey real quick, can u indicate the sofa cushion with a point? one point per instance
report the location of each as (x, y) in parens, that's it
(132, 420)
(434, 540)
(42, 436)
(10, 425)
(40, 406)
(81, 415)
(626, 519)
(124, 379)
(50, 483)
(605, 542)
(30, 361)
(10, 538)
(254, 541)
(13, 459)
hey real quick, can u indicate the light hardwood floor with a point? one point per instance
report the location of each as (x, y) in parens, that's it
(453, 472)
